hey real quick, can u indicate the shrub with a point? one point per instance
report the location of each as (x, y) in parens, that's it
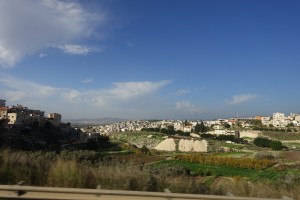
(276, 145)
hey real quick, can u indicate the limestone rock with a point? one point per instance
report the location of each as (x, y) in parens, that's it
(166, 145)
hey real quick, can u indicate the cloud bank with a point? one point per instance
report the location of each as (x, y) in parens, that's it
(27, 27)
(16, 90)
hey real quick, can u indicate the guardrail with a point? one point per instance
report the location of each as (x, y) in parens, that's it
(51, 193)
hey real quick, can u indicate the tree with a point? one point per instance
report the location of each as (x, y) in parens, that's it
(290, 125)
(276, 145)
(201, 128)
(145, 150)
(226, 125)
(256, 122)
(262, 142)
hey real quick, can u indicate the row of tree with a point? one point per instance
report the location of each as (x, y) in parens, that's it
(168, 131)
(199, 128)
(248, 163)
(222, 137)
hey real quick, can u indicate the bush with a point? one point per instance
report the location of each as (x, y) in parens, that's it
(262, 142)
(276, 145)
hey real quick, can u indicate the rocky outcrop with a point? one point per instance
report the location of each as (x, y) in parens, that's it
(192, 145)
(167, 145)
(184, 145)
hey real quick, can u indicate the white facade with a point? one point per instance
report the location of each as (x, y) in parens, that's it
(178, 126)
(15, 118)
(266, 121)
(187, 129)
(297, 118)
(3, 113)
(279, 119)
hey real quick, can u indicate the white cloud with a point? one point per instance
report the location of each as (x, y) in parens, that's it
(15, 90)
(27, 27)
(187, 107)
(238, 99)
(88, 80)
(126, 90)
(76, 49)
(183, 92)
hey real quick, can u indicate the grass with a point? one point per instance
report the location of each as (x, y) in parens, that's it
(282, 135)
(232, 146)
(292, 145)
(270, 175)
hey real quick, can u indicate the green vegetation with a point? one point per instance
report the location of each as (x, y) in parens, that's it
(199, 169)
(283, 136)
(87, 169)
(167, 131)
(221, 137)
(201, 128)
(265, 142)
(246, 163)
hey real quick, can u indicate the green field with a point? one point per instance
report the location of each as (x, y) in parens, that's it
(282, 135)
(202, 169)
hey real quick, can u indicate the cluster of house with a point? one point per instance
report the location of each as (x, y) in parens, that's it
(19, 116)
(277, 120)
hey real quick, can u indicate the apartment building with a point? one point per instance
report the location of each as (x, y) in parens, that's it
(21, 116)
(279, 120)
(3, 112)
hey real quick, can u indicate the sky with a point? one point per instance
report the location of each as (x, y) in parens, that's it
(151, 59)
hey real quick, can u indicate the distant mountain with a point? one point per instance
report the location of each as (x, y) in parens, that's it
(99, 121)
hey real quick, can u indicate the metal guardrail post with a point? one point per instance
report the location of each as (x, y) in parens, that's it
(168, 191)
(98, 188)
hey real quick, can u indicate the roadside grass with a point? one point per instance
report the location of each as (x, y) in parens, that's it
(86, 170)
(269, 175)
(209, 170)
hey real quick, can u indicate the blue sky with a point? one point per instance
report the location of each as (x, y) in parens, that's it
(141, 59)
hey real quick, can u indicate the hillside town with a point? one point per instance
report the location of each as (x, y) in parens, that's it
(20, 116)
(219, 126)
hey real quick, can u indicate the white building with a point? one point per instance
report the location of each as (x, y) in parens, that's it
(54, 117)
(279, 119)
(178, 126)
(3, 112)
(266, 121)
(15, 118)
